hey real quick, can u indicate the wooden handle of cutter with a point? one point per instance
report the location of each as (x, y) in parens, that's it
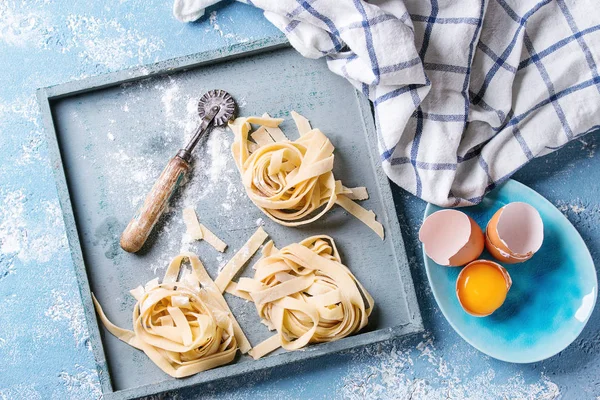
(140, 226)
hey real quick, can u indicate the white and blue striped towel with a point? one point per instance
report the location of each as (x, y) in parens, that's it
(465, 92)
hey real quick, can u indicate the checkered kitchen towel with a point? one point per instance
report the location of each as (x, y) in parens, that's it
(465, 92)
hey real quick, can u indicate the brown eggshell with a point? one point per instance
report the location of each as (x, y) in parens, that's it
(451, 238)
(530, 224)
(473, 249)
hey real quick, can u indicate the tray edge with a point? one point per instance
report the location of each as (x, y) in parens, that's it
(73, 239)
(389, 207)
(270, 362)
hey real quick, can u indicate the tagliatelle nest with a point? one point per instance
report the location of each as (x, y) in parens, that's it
(306, 294)
(292, 181)
(184, 324)
(182, 328)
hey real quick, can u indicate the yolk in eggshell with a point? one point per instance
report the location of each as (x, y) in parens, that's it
(482, 288)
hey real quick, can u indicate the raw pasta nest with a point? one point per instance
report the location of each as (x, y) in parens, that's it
(182, 328)
(305, 293)
(292, 181)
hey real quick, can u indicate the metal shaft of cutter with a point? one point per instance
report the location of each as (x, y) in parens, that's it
(186, 152)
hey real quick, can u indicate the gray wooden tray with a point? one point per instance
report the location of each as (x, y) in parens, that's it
(111, 135)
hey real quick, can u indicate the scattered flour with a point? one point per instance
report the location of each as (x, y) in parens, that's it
(67, 307)
(388, 372)
(168, 97)
(218, 148)
(23, 29)
(83, 384)
(110, 136)
(241, 102)
(590, 146)
(99, 41)
(222, 262)
(29, 242)
(24, 109)
(229, 37)
(137, 170)
(21, 391)
(108, 42)
(260, 222)
(575, 208)
(212, 19)
(186, 243)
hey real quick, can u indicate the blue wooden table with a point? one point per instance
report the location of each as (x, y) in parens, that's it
(44, 350)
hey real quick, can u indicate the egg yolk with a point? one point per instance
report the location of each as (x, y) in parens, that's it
(481, 288)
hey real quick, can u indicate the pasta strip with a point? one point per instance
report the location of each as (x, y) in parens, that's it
(240, 259)
(276, 133)
(366, 216)
(211, 287)
(265, 347)
(301, 123)
(197, 231)
(357, 193)
(212, 239)
(292, 181)
(261, 136)
(233, 290)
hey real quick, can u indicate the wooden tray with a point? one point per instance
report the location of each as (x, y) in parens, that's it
(109, 138)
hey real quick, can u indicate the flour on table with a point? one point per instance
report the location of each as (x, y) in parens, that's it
(20, 391)
(212, 19)
(387, 371)
(24, 29)
(82, 384)
(26, 241)
(575, 207)
(229, 37)
(67, 307)
(168, 97)
(108, 43)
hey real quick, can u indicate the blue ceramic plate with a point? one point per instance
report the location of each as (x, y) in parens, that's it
(552, 295)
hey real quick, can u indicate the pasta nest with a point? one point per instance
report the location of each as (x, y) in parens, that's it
(305, 293)
(182, 328)
(292, 181)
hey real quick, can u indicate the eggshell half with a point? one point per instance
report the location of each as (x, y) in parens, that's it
(451, 238)
(515, 233)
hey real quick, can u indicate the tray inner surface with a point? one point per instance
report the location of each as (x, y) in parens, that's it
(114, 143)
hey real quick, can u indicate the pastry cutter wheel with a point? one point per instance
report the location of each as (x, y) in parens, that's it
(216, 108)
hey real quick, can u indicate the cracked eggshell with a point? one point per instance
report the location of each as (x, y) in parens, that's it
(515, 233)
(451, 238)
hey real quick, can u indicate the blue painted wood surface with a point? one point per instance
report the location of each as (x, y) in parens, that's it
(43, 338)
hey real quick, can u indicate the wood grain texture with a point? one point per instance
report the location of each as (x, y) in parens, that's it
(140, 226)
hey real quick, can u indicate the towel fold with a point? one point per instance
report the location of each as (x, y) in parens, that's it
(465, 92)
